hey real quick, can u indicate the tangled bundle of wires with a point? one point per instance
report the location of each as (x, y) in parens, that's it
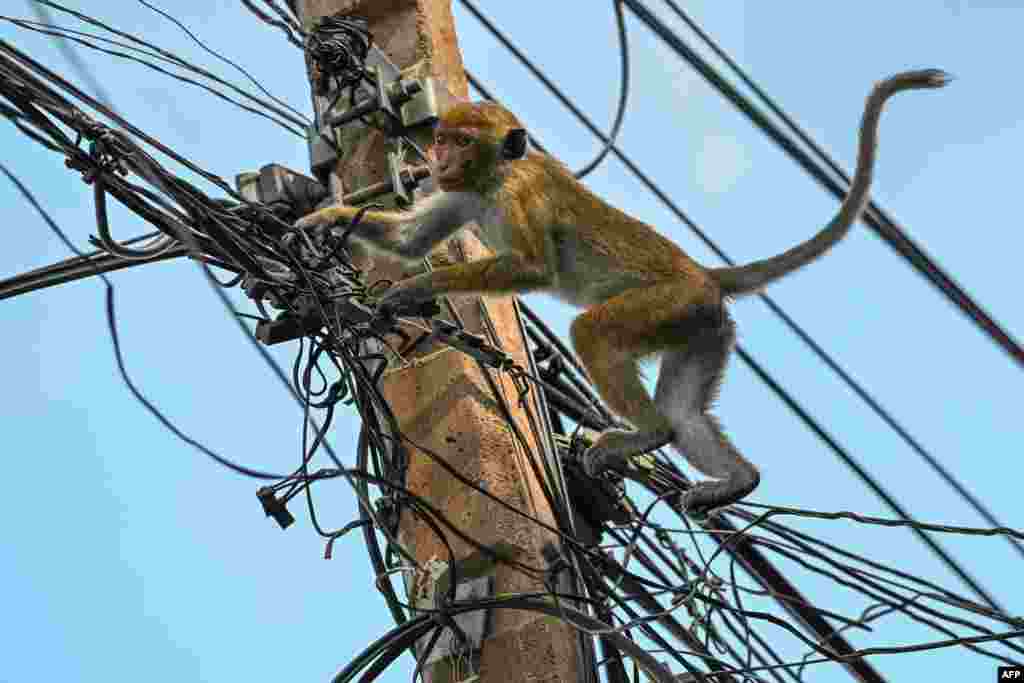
(638, 574)
(337, 47)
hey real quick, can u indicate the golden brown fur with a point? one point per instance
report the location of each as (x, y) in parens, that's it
(642, 293)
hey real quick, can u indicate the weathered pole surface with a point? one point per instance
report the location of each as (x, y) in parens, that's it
(445, 402)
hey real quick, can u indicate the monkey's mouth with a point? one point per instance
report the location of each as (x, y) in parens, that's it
(453, 170)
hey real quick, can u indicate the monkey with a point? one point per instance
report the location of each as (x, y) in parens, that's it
(641, 295)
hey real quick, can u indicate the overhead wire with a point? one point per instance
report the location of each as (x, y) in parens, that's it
(983, 510)
(759, 370)
(364, 503)
(72, 57)
(252, 79)
(72, 35)
(115, 340)
(620, 113)
(140, 160)
(879, 222)
(164, 185)
(150, 49)
(287, 28)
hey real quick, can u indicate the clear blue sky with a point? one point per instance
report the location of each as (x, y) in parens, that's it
(129, 556)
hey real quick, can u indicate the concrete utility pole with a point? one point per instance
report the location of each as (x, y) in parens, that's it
(445, 403)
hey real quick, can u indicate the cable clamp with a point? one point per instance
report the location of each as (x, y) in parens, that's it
(273, 507)
(471, 344)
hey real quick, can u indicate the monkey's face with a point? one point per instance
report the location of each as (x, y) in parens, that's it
(462, 156)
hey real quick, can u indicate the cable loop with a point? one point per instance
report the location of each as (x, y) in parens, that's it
(336, 50)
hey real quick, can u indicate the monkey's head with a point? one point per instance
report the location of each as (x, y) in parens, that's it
(471, 142)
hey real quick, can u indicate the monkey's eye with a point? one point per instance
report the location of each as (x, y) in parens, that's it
(463, 140)
(440, 139)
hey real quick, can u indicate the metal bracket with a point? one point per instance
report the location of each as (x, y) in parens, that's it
(403, 99)
(322, 154)
(415, 106)
(276, 183)
(395, 172)
(474, 625)
(475, 576)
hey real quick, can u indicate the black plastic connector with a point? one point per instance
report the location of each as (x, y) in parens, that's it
(352, 311)
(420, 309)
(273, 507)
(596, 501)
(471, 344)
(286, 327)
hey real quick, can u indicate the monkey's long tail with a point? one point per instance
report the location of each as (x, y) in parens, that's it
(754, 276)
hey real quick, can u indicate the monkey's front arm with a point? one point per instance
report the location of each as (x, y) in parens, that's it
(407, 234)
(502, 274)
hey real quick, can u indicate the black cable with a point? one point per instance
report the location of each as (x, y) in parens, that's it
(73, 58)
(292, 21)
(28, 62)
(71, 35)
(392, 644)
(866, 477)
(159, 53)
(285, 27)
(147, 167)
(879, 222)
(887, 417)
(609, 140)
(224, 59)
(795, 327)
(308, 368)
(768, 379)
(613, 134)
(338, 46)
(115, 340)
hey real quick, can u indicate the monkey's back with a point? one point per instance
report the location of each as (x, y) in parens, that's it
(598, 250)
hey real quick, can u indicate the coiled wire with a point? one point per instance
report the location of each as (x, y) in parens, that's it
(337, 47)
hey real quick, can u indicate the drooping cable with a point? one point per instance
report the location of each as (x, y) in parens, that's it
(805, 417)
(620, 113)
(876, 219)
(943, 472)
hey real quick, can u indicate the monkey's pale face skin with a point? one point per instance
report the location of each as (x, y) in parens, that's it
(453, 154)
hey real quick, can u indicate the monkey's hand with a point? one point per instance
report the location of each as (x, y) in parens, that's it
(326, 216)
(409, 291)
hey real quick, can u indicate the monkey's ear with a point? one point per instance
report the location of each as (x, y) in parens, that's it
(515, 144)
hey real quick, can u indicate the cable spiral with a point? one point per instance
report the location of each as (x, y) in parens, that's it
(336, 49)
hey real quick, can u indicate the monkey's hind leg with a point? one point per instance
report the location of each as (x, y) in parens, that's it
(611, 339)
(687, 386)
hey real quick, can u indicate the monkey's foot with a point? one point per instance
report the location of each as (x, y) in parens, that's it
(706, 496)
(614, 449)
(412, 290)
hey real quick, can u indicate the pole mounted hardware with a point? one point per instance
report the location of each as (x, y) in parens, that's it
(384, 97)
(463, 635)
(595, 501)
(277, 184)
